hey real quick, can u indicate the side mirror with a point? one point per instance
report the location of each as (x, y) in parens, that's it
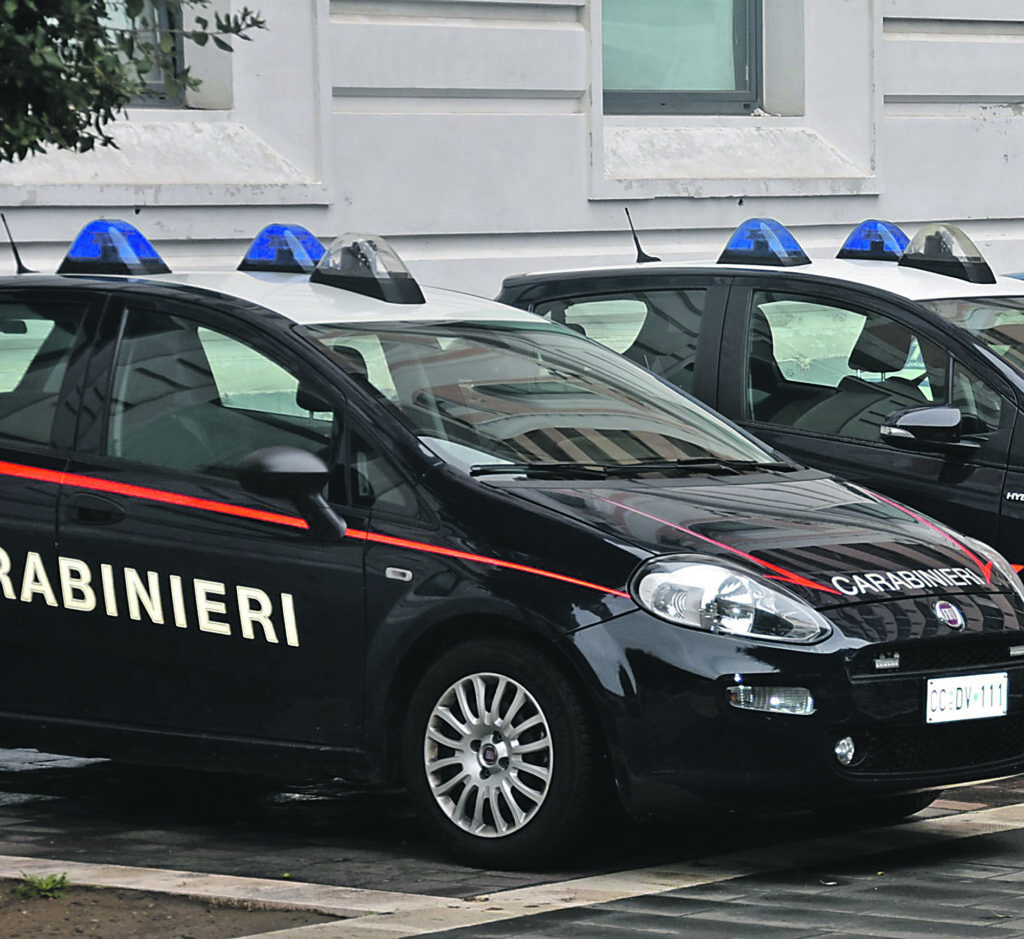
(931, 429)
(298, 476)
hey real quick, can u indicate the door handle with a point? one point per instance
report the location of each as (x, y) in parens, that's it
(90, 509)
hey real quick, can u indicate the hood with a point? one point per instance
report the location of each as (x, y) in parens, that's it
(830, 542)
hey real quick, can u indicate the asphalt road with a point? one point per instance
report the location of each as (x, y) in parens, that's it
(957, 869)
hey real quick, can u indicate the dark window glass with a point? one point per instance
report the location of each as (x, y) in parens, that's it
(821, 367)
(658, 329)
(190, 398)
(36, 340)
(980, 406)
(374, 483)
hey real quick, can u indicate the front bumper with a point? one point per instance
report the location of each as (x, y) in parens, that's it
(674, 738)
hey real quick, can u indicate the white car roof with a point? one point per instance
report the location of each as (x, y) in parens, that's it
(908, 282)
(295, 297)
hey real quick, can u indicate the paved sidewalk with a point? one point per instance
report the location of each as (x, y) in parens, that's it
(957, 875)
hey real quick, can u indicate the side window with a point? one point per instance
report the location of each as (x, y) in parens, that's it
(825, 368)
(36, 340)
(658, 329)
(980, 406)
(190, 398)
(374, 483)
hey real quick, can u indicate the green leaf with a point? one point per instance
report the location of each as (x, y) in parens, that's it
(66, 72)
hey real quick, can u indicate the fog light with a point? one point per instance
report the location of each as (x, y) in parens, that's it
(771, 699)
(845, 750)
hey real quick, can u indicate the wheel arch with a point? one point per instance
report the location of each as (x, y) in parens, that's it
(448, 634)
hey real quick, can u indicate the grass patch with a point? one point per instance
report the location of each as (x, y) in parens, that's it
(41, 886)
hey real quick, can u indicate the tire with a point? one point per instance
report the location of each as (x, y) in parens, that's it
(499, 757)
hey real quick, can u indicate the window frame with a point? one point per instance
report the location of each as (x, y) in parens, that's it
(740, 101)
(166, 21)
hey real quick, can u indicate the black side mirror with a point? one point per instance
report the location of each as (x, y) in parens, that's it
(933, 429)
(298, 476)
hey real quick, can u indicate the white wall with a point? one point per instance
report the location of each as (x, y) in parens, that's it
(466, 130)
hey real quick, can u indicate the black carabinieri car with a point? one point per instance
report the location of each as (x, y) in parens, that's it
(321, 522)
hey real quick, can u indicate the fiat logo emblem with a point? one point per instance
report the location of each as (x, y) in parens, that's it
(950, 614)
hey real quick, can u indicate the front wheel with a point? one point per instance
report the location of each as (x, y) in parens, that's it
(499, 755)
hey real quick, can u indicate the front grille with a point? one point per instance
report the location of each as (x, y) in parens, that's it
(926, 748)
(945, 655)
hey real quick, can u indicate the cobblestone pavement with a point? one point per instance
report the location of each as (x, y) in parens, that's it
(956, 869)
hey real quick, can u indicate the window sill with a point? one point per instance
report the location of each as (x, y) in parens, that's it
(648, 158)
(158, 162)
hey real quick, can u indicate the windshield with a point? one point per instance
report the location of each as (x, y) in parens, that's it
(996, 322)
(528, 394)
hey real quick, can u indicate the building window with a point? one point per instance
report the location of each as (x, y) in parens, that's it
(681, 56)
(160, 26)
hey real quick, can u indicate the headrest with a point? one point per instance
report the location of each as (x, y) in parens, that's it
(352, 360)
(883, 346)
(762, 342)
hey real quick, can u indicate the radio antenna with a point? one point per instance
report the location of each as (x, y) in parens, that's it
(642, 257)
(14, 248)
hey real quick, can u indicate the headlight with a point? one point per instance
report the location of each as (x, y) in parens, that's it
(999, 563)
(706, 595)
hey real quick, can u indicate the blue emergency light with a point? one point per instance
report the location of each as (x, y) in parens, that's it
(283, 249)
(110, 246)
(763, 241)
(946, 249)
(367, 264)
(874, 240)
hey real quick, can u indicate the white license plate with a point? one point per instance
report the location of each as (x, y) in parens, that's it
(966, 697)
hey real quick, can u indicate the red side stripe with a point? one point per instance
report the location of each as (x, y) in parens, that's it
(479, 559)
(152, 495)
(986, 569)
(225, 508)
(781, 574)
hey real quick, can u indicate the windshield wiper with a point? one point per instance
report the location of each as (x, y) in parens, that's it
(703, 464)
(552, 470)
(568, 470)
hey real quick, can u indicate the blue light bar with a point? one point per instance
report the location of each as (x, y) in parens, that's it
(763, 241)
(110, 246)
(283, 249)
(874, 240)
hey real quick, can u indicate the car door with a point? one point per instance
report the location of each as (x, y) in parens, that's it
(814, 373)
(44, 346)
(201, 609)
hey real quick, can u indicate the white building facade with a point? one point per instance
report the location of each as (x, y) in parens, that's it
(473, 134)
